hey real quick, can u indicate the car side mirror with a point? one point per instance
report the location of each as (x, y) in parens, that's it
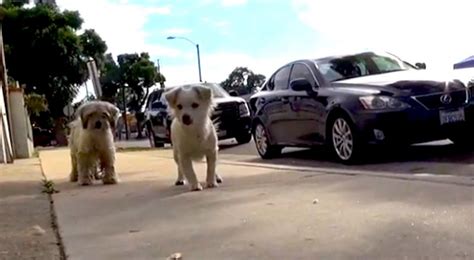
(301, 84)
(420, 65)
(233, 93)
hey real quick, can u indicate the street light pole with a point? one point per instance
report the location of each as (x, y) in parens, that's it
(199, 62)
(197, 49)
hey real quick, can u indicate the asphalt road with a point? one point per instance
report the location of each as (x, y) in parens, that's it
(437, 158)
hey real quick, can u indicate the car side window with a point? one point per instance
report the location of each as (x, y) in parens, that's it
(281, 78)
(150, 100)
(301, 71)
(156, 101)
(270, 84)
(385, 63)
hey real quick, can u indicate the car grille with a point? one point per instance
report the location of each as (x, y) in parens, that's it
(224, 114)
(433, 101)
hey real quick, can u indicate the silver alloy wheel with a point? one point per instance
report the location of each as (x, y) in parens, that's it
(342, 139)
(261, 139)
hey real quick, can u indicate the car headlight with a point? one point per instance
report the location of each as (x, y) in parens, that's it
(382, 102)
(244, 110)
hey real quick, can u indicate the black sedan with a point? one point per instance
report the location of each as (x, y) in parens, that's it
(231, 116)
(349, 101)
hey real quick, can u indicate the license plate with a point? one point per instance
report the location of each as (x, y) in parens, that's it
(448, 117)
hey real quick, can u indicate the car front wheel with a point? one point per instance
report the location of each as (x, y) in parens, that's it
(264, 148)
(154, 142)
(343, 140)
(463, 139)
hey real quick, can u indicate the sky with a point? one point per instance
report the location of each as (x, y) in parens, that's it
(264, 34)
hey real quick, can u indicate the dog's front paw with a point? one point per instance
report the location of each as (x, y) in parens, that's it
(212, 184)
(73, 177)
(85, 181)
(108, 180)
(196, 187)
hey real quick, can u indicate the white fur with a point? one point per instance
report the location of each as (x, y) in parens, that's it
(90, 144)
(193, 142)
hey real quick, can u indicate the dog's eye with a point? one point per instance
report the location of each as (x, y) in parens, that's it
(195, 105)
(179, 106)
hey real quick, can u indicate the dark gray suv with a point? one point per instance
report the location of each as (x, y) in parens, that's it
(231, 116)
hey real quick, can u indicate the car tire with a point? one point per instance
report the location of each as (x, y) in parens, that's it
(244, 138)
(154, 142)
(463, 140)
(343, 140)
(262, 143)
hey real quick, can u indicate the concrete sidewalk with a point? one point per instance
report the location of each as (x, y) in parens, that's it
(259, 213)
(25, 217)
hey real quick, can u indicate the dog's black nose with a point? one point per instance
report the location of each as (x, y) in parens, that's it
(98, 125)
(187, 119)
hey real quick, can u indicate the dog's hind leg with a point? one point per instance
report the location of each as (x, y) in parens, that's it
(218, 178)
(180, 179)
(108, 166)
(73, 176)
(186, 166)
(98, 171)
(212, 177)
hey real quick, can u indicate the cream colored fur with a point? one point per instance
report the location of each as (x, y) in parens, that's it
(92, 141)
(196, 140)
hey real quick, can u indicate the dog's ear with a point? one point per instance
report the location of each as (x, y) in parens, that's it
(84, 112)
(171, 96)
(113, 114)
(204, 93)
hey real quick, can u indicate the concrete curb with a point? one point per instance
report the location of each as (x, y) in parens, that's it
(447, 179)
(426, 177)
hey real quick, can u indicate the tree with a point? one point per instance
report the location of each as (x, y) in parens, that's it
(36, 104)
(110, 79)
(93, 47)
(16, 3)
(44, 53)
(243, 81)
(138, 73)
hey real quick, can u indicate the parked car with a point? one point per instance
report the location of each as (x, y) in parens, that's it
(349, 101)
(231, 116)
(42, 137)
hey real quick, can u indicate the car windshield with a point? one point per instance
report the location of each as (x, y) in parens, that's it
(216, 89)
(359, 65)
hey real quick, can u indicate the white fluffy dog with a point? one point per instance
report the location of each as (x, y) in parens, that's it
(92, 141)
(192, 133)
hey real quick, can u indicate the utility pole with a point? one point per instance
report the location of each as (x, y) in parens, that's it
(5, 119)
(124, 114)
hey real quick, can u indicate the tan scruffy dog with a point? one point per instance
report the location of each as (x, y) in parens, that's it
(92, 141)
(192, 133)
